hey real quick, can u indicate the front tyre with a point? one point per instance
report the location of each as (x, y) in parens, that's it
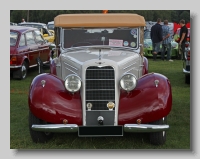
(158, 138)
(37, 136)
(187, 79)
(22, 72)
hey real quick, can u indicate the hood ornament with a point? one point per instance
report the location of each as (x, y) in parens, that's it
(43, 83)
(99, 54)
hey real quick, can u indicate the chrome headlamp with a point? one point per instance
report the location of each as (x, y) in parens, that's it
(128, 82)
(72, 83)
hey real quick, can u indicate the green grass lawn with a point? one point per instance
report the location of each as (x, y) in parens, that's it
(178, 136)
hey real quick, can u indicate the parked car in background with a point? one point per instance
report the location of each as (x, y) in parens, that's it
(148, 46)
(99, 84)
(11, 23)
(26, 45)
(49, 36)
(186, 63)
(50, 26)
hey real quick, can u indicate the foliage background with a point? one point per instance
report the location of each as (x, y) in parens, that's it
(45, 16)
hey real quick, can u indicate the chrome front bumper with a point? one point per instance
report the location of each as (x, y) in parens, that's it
(56, 128)
(64, 128)
(145, 128)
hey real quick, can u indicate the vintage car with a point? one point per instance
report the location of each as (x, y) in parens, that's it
(99, 83)
(186, 63)
(50, 26)
(148, 46)
(11, 23)
(49, 36)
(26, 45)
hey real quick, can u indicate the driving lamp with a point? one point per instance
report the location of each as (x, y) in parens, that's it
(72, 83)
(128, 82)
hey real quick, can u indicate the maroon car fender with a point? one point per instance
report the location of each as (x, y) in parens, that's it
(146, 102)
(50, 101)
(146, 66)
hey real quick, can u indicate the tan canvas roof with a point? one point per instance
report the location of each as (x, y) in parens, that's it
(99, 20)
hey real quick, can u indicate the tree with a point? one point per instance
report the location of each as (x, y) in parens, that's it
(186, 16)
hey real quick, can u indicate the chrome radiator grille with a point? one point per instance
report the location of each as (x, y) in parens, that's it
(100, 87)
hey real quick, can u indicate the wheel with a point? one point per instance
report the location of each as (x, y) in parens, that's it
(158, 138)
(22, 72)
(187, 79)
(37, 136)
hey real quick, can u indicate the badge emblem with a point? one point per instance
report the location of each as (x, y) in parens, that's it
(125, 43)
(133, 44)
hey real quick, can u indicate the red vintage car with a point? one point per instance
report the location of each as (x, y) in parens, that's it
(26, 45)
(99, 84)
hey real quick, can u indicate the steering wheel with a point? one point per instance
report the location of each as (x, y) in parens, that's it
(79, 43)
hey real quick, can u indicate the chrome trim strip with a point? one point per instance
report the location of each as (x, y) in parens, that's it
(32, 66)
(100, 89)
(15, 66)
(129, 65)
(71, 70)
(98, 69)
(37, 64)
(70, 66)
(56, 128)
(98, 110)
(185, 71)
(99, 79)
(145, 128)
(102, 100)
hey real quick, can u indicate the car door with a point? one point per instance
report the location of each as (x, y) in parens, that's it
(33, 51)
(43, 47)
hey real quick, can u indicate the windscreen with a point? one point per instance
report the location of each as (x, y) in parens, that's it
(13, 38)
(117, 37)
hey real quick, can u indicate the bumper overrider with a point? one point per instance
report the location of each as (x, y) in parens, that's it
(58, 104)
(185, 71)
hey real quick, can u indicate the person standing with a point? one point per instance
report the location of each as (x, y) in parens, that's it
(166, 43)
(156, 37)
(183, 36)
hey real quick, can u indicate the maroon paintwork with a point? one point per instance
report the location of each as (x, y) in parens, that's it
(146, 102)
(27, 53)
(52, 103)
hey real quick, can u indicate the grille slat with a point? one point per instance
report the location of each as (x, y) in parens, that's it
(100, 86)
